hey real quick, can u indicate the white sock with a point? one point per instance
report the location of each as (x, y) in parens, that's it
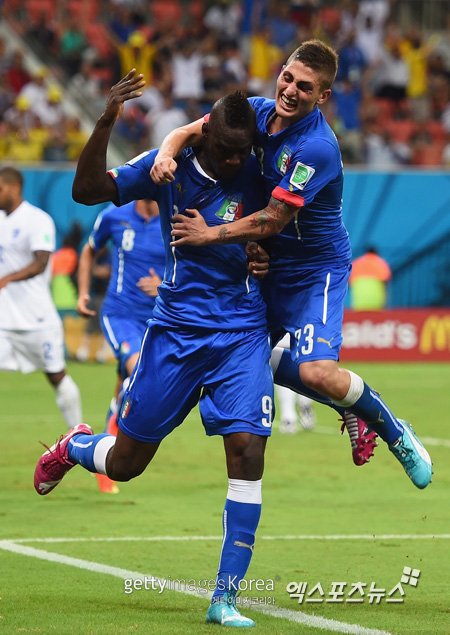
(101, 452)
(286, 403)
(355, 391)
(68, 401)
(244, 491)
(275, 358)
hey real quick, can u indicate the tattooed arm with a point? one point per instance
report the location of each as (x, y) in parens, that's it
(191, 229)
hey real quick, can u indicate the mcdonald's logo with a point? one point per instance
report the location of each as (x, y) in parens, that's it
(435, 334)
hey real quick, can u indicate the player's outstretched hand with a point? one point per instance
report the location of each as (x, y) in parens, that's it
(149, 284)
(82, 304)
(129, 87)
(163, 170)
(257, 260)
(189, 229)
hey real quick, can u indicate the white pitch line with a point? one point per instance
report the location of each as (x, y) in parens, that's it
(194, 538)
(281, 613)
(444, 443)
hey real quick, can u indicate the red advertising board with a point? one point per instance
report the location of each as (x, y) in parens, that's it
(408, 335)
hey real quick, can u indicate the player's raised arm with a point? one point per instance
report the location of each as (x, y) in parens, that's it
(173, 144)
(191, 229)
(92, 184)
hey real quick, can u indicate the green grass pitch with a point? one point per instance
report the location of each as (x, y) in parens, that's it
(315, 501)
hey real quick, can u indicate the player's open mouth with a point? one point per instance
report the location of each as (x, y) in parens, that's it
(288, 103)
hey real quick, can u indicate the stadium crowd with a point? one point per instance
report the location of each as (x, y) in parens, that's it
(390, 104)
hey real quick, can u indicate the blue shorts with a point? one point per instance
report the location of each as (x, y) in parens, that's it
(228, 372)
(124, 334)
(308, 304)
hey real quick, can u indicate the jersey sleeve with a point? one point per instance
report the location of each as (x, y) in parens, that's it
(42, 233)
(133, 179)
(312, 166)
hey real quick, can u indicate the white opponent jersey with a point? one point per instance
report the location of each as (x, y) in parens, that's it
(26, 305)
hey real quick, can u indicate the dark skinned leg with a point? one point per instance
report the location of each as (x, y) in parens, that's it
(128, 458)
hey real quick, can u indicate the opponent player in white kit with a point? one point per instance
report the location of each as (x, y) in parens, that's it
(31, 331)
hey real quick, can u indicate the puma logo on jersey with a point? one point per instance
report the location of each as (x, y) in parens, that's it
(180, 189)
(321, 339)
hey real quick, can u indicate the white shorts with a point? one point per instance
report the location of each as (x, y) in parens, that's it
(26, 351)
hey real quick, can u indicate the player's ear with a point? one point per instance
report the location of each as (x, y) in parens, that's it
(324, 96)
(205, 129)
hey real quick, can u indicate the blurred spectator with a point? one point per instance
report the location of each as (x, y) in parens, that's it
(368, 282)
(187, 75)
(347, 97)
(132, 128)
(6, 96)
(264, 64)
(152, 99)
(392, 75)
(439, 98)
(283, 31)
(36, 90)
(42, 37)
(72, 44)
(22, 147)
(20, 114)
(224, 18)
(87, 84)
(369, 28)
(5, 57)
(380, 150)
(415, 54)
(352, 61)
(122, 22)
(139, 54)
(51, 112)
(214, 81)
(327, 25)
(234, 68)
(76, 138)
(56, 147)
(16, 74)
(64, 263)
(165, 120)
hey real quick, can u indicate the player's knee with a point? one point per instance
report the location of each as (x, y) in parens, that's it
(124, 470)
(245, 456)
(315, 376)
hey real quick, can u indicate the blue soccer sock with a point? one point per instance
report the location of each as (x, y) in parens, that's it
(240, 521)
(286, 373)
(90, 451)
(367, 404)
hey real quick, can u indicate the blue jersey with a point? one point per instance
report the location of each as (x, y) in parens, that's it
(302, 166)
(137, 246)
(204, 287)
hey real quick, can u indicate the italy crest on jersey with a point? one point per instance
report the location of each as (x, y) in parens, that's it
(284, 159)
(301, 175)
(230, 210)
